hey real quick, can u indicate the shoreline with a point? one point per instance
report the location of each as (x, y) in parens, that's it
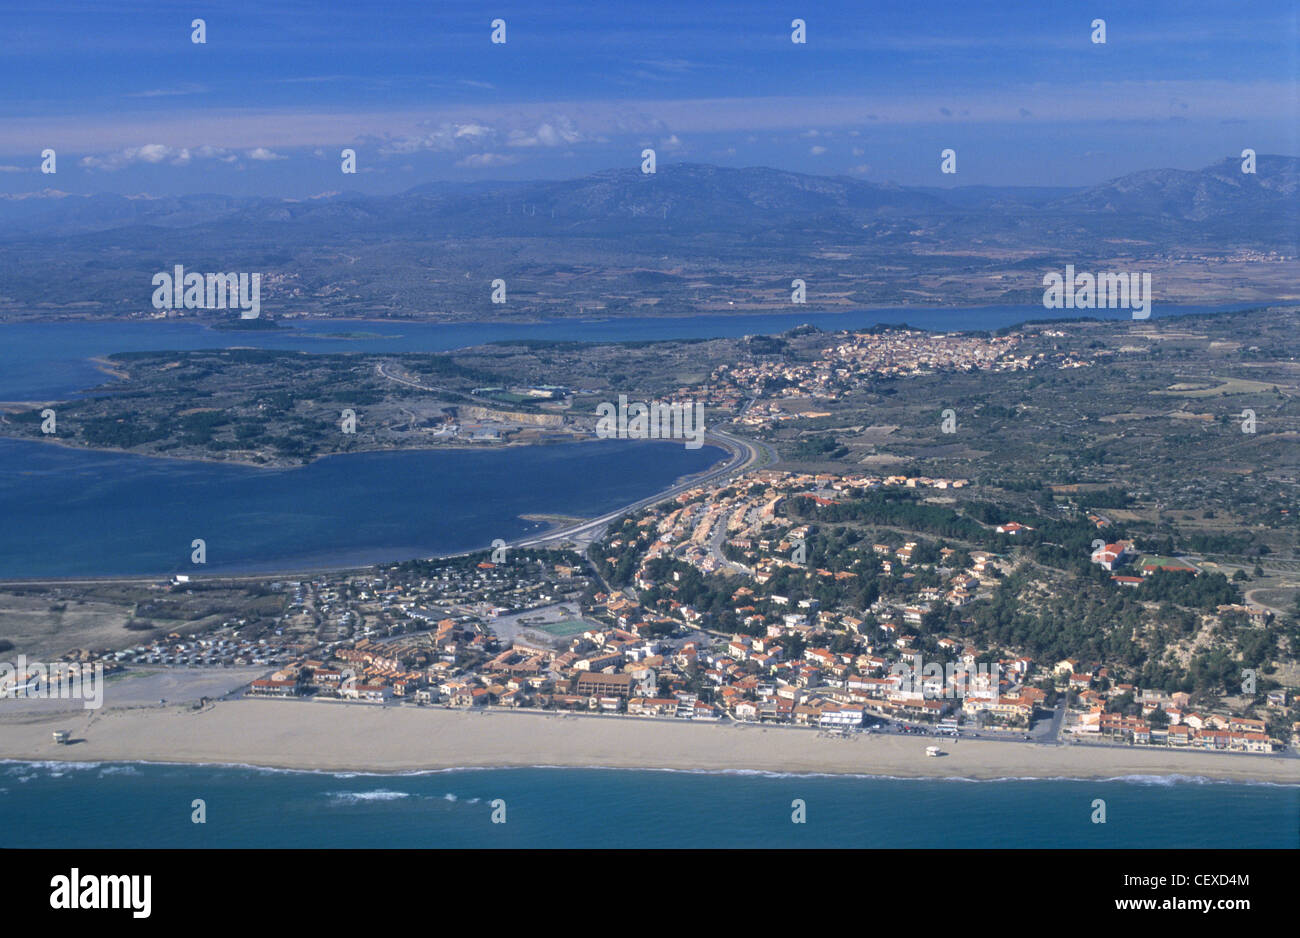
(275, 465)
(344, 737)
(108, 367)
(1232, 306)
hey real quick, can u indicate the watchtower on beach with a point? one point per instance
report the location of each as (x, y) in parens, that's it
(61, 737)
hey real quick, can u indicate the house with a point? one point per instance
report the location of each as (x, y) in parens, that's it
(653, 706)
(841, 716)
(1251, 742)
(1110, 556)
(705, 711)
(595, 683)
(266, 687)
(1247, 725)
(370, 693)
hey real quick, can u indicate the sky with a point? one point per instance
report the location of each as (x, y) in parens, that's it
(130, 104)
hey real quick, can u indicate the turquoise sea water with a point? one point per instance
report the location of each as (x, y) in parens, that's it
(134, 805)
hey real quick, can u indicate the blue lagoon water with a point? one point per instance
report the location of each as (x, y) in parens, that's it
(135, 805)
(69, 512)
(48, 361)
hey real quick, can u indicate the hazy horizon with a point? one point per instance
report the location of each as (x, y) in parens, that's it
(265, 105)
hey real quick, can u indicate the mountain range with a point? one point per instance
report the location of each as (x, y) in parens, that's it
(602, 234)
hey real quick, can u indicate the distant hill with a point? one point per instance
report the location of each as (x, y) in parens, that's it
(690, 237)
(1263, 205)
(689, 197)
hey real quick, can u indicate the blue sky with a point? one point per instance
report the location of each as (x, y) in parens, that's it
(131, 105)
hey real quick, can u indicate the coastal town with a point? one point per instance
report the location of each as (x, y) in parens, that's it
(814, 582)
(735, 602)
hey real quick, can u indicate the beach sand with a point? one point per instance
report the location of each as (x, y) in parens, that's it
(358, 737)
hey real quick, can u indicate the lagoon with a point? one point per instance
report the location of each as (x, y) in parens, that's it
(51, 360)
(69, 512)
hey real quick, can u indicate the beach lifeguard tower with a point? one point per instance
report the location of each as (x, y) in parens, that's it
(61, 737)
(934, 751)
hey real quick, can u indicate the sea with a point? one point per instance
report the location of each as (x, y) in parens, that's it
(94, 805)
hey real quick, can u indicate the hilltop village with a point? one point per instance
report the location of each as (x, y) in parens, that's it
(788, 390)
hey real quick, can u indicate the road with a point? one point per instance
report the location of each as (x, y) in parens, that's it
(716, 537)
(1053, 735)
(746, 456)
(408, 382)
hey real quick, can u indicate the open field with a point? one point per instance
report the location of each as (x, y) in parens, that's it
(1218, 387)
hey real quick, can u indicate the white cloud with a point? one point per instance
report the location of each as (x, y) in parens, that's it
(816, 151)
(151, 153)
(484, 160)
(207, 152)
(447, 136)
(157, 152)
(535, 124)
(154, 154)
(549, 134)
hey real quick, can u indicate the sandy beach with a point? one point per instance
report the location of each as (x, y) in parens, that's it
(357, 737)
